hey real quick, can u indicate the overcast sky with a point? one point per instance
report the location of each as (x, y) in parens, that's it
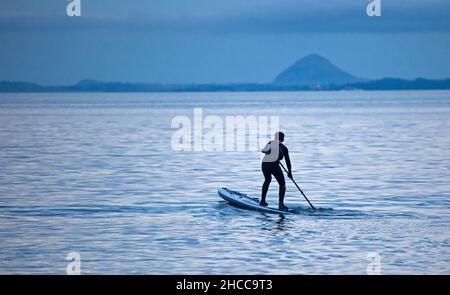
(199, 41)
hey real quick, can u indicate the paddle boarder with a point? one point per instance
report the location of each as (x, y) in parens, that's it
(274, 152)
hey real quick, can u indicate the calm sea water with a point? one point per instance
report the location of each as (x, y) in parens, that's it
(95, 174)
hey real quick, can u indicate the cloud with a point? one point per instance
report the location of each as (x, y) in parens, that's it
(232, 16)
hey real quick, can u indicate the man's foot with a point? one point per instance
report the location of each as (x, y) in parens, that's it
(283, 207)
(263, 203)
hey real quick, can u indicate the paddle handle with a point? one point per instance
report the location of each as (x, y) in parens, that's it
(298, 188)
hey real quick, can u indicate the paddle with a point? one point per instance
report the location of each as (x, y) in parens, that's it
(299, 188)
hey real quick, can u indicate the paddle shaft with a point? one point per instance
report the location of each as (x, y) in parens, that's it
(298, 188)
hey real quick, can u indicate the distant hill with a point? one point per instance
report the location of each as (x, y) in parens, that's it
(89, 85)
(400, 84)
(97, 86)
(12, 86)
(314, 70)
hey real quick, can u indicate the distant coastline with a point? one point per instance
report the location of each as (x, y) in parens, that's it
(310, 73)
(98, 86)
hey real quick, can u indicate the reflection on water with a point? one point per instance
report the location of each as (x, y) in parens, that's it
(94, 174)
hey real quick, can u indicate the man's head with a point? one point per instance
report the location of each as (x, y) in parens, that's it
(279, 136)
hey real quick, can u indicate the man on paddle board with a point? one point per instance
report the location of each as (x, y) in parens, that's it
(274, 152)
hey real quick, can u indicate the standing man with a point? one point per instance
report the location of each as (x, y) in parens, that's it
(274, 152)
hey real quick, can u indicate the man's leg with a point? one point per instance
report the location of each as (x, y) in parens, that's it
(279, 176)
(265, 187)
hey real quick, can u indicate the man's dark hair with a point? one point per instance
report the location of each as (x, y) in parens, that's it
(280, 136)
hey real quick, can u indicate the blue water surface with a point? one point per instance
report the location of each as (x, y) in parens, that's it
(95, 173)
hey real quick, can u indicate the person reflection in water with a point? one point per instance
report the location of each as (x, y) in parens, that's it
(274, 152)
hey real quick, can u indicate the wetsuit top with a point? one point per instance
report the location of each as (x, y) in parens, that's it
(283, 152)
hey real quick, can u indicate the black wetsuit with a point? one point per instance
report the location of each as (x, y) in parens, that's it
(273, 168)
